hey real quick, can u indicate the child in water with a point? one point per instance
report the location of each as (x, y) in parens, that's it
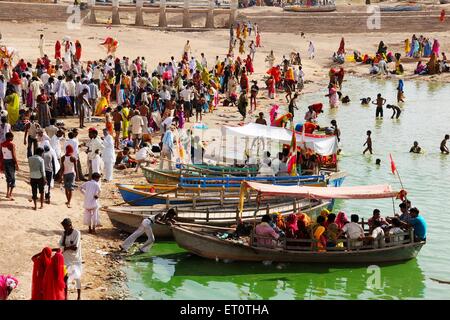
(415, 148)
(368, 142)
(395, 110)
(444, 148)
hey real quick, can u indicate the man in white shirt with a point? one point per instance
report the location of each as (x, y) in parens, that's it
(95, 146)
(137, 125)
(377, 234)
(71, 93)
(204, 62)
(193, 64)
(186, 94)
(70, 243)
(143, 155)
(353, 231)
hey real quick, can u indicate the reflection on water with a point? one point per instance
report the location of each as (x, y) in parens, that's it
(426, 177)
(170, 273)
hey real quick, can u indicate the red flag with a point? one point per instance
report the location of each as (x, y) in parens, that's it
(393, 167)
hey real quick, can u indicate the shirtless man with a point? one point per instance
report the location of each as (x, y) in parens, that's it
(144, 111)
(395, 110)
(368, 142)
(444, 148)
(415, 148)
(380, 102)
(261, 119)
(117, 120)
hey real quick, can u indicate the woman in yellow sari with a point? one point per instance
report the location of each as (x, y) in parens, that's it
(125, 121)
(101, 106)
(241, 46)
(245, 32)
(13, 104)
(407, 47)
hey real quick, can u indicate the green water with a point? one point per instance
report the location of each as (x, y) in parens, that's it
(167, 272)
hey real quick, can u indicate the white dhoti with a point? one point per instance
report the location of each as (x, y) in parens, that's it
(145, 227)
(108, 170)
(74, 271)
(91, 217)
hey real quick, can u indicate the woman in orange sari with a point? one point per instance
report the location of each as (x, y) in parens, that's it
(105, 90)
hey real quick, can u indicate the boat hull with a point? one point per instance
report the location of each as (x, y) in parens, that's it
(298, 8)
(214, 248)
(128, 219)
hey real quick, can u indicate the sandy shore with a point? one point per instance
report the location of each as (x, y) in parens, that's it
(26, 232)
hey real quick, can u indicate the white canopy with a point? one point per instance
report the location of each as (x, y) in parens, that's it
(321, 144)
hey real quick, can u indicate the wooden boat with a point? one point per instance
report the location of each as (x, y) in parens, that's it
(401, 8)
(202, 189)
(202, 241)
(304, 8)
(173, 176)
(128, 218)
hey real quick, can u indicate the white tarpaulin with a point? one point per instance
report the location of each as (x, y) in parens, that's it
(323, 145)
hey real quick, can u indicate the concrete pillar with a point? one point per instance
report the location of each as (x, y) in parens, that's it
(92, 17)
(115, 12)
(186, 15)
(233, 12)
(162, 14)
(210, 15)
(139, 21)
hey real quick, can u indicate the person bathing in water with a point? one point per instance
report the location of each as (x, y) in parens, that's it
(444, 148)
(415, 148)
(395, 110)
(365, 100)
(380, 102)
(368, 143)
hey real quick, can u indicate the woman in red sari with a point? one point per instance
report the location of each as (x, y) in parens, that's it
(341, 49)
(249, 64)
(244, 81)
(258, 40)
(77, 50)
(40, 263)
(54, 285)
(58, 50)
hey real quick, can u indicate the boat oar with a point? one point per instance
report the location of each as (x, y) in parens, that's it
(440, 281)
(147, 197)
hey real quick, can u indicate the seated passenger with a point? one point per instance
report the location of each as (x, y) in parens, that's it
(377, 217)
(264, 229)
(332, 231)
(303, 221)
(341, 219)
(377, 234)
(353, 230)
(419, 225)
(318, 234)
(405, 216)
(396, 229)
(291, 226)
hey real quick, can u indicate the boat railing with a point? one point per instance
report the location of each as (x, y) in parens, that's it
(236, 181)
(343, 244)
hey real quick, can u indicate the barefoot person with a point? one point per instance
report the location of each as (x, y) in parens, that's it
(37, 176)
(444, 148)
(9, 163)
(70, 243)
(68, 170)
(91, 191)
(368, 143)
